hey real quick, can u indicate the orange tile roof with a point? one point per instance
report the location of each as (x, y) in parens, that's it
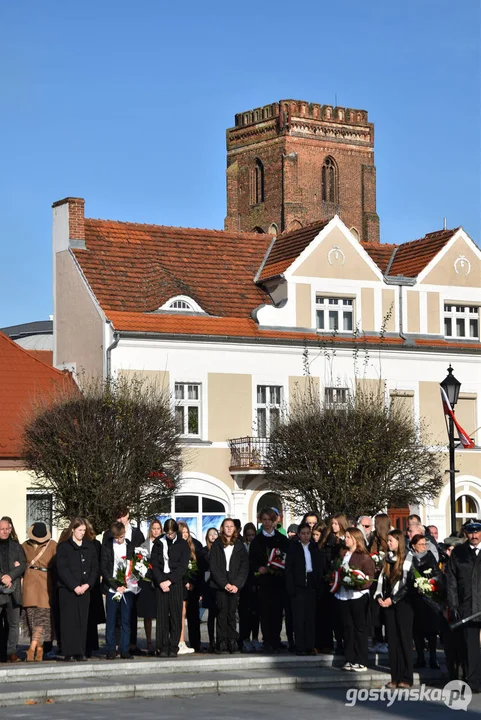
(45, 356)
(287, 247)
(412, 257)
(380, 253)
(23, 378)
(134, 267)
(195, 325)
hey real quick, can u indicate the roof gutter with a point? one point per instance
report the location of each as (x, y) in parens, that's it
(301, 342)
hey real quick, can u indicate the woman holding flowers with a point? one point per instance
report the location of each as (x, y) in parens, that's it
(427, 616)
(394, 594)
(116, 567)
(352, 581)
(146, 605)
(229, 567)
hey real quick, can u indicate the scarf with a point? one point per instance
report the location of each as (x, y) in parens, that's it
(407, 564)
(165, 551)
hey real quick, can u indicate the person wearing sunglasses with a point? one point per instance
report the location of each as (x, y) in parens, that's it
(364, 524)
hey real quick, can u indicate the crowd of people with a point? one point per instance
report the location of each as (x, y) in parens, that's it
(342, 587)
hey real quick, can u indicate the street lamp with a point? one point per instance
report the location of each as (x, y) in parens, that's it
(451, 387)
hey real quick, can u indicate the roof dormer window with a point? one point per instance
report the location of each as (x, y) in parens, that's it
(179, 305)
(182, 304)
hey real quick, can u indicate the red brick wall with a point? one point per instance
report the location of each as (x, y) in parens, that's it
(76, 216)
(293, 146)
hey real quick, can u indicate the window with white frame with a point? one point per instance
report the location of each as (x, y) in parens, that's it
(268, 408)
(466, 509)
(461, 321)
(179, 305)
(187, 408)
(336, 397)
(334, 313)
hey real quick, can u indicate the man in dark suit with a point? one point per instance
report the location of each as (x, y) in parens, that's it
(463, 575)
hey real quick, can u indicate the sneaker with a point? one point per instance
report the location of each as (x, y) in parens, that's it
(383, 648)
(247, 647)
(256, 646)
(347, 666)
(184, 650)
(356, 667)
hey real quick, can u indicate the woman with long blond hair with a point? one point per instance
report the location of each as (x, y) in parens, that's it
(394, 594)
(354, 602)
(192, 592)
(229, 567)
(146, 605)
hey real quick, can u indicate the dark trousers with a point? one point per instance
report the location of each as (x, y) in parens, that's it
(355, 618)
(74, 613)
(169, 618)
(271, 606)
(193, 618)
(114, 608)
(472, 653)
(133, 623)
(303, 605)
(248, 613)
(326, 609)
(9, 622)
(226, 609)
(399, 629)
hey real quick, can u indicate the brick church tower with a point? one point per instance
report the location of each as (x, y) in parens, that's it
(293, 163)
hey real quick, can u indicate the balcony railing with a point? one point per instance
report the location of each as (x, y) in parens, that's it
(248, 453)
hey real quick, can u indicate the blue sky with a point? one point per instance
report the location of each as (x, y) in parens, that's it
(126, 104)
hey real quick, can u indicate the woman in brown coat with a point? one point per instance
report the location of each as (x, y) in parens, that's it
(38, 588)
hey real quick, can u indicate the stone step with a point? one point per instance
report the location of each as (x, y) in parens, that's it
(268, 679)
(142, 666)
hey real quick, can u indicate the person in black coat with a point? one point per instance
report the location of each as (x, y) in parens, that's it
(170, 560)
(12, 567)
(463, 574)
(193, 584)
(394, 593)
(270, 580)
(305, 570)
(77, 573)
(427, 617)
(96, 606)
(229, 567)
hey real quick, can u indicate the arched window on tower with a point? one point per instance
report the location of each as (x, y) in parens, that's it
(330, 181)
(257, 183)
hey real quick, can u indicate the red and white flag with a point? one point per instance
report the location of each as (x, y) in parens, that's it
(464, 438)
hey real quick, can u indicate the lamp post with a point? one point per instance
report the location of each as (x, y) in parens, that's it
(451, 387)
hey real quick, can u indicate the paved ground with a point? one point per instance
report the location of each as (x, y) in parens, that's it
(267, 706)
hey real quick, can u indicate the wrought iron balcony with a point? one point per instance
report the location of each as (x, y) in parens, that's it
(248, 453)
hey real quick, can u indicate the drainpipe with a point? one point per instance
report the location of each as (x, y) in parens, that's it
(401, 326)
(108, 354)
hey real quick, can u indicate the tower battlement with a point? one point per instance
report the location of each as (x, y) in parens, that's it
(301, 109)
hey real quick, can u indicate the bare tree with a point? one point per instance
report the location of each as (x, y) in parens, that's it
(112, 444)
(362, 456)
